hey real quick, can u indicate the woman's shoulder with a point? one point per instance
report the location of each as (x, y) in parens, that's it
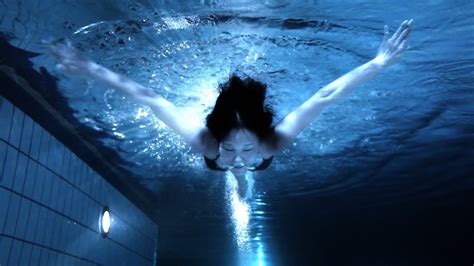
(266, 150)
(210, 144)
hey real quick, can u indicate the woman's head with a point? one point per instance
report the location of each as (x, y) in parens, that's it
(240, 105)
(239, 121)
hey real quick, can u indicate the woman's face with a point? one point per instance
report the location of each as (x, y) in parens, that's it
(239, 150)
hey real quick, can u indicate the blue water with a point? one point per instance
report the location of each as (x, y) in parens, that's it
(383, 177)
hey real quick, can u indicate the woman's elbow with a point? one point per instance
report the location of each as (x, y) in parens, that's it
(322, 102)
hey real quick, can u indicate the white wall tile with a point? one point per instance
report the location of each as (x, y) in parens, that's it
(65, 163)
(25, 254)
(9, 167)
(26, 135)
(22, 221)
(35, 145)
(47, 187)
(12, 215)
(41, 224)
(54, 202)
(44, 147)
(15, 252)
(44, 256)
(32, 222)
(35, 255)
(16, 127)
(20, 172)
(4, 201)
(3, 155)
(5, 119)
(39, 183)
(5, 246)
(48, 230)
(30, 178)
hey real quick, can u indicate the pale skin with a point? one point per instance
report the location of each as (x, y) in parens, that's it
(241, 148)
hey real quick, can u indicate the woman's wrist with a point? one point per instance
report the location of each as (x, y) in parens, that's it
(378, 62)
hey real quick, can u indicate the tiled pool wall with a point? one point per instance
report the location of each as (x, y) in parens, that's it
(51, 202)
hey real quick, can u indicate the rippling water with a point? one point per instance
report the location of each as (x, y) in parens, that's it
(405, 137)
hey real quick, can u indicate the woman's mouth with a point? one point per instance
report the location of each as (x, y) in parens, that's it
(239, 166)
(239, 169)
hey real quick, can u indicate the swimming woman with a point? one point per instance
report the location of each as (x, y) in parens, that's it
(239, 134)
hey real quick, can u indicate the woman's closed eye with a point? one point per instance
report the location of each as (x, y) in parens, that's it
(246, 150)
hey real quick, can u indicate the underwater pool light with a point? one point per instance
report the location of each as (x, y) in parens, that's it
(105, 221)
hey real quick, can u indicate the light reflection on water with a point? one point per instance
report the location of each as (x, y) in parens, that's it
(251, 250)
(239, 211)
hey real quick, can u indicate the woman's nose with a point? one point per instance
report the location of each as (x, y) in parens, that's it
(238, 159)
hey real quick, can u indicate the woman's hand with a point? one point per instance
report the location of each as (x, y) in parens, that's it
(70, 59)
(391, 49)
(291, 125)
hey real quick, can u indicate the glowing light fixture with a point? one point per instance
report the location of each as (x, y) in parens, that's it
(105, 221)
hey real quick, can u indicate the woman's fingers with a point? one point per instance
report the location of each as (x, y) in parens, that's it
(399, 31)
(394, 47)
(403, 45)
(385, 33)
(402, 33)
(403, 36)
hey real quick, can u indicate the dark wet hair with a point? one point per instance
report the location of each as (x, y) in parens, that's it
(240, 105)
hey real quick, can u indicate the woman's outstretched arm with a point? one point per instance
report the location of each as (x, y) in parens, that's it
(70, 60)
(290, 126)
